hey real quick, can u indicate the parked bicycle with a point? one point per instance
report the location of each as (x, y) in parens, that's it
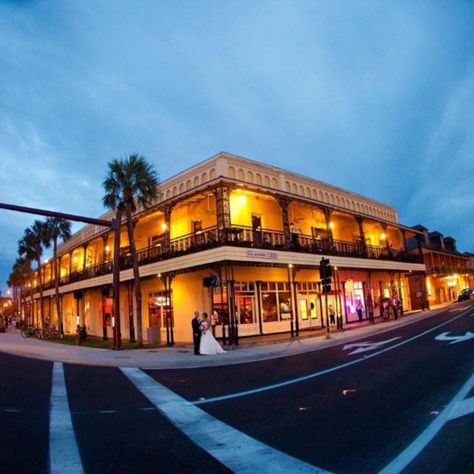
(49, 332)
(30, 331)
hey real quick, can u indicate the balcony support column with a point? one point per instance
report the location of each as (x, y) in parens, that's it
(167, 214)
(284, 203)
(404, 237)
(327, 218)
(70, 262)
(222, 194)
(360, 222)
(84, 256)
(105, 238)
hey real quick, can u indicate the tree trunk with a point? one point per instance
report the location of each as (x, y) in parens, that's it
(59, 313)
(136, 276)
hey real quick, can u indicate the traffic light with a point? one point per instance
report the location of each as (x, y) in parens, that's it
(325, 271)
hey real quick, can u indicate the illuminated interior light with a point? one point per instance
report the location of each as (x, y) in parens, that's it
(331, 225)
(383, 236)
(164, 227)
(242, 200)
(107, 248)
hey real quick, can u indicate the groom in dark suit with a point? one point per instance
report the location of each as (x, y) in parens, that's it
(196, 323)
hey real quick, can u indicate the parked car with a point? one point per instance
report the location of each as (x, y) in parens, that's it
(465, 294)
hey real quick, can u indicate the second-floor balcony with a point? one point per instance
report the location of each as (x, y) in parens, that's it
(445, 269)
(241, 236)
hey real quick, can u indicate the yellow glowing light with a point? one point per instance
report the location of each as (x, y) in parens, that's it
(331, 225)
(242, 200)
(383, 236)
(107, 248)
(74, 259)
(164, 227)
(290, 265)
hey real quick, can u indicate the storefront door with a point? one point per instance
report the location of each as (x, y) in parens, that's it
(307, 312)
(247, 314)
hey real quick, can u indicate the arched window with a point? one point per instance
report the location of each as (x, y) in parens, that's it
(266, 181)
(231, 172)
(258, 178)
(212, 173)
(249, 176)
(241, 174)
(203, 177)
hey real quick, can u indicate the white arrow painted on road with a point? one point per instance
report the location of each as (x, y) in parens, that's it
(454, 339)
(367, 346)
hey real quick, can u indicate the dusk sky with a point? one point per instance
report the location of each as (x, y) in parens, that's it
(375, 97)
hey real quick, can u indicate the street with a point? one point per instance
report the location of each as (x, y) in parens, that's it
(371, 405)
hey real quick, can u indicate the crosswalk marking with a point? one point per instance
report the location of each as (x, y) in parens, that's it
(234, 449)
(64, 455)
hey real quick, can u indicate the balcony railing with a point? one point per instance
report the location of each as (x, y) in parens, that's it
(241, 236)
(447, 269)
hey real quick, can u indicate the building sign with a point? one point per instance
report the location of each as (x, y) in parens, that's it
(262, 254)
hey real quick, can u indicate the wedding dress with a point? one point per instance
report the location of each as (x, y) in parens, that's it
(209, 345)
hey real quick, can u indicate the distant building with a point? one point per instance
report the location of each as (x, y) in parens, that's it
(448, 271)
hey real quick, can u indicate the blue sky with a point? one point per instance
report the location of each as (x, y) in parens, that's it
(375, 97)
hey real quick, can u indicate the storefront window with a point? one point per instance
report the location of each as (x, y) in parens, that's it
(159, 309)
(269, 307)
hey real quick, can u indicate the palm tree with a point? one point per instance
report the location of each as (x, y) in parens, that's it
(31, 246)
(21, 272)
(56, 228)
(26, 250)
(129, 182)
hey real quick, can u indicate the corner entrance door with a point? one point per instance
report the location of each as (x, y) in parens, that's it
(307, 312)
(247, 314)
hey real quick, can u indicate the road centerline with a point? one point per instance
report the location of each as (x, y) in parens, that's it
(319, 373)
(234, 449)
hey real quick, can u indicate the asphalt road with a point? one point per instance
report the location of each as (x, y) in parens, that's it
(351, 408)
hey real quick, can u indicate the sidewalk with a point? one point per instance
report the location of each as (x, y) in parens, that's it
(182, 356)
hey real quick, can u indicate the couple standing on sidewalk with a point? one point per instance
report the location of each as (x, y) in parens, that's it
(204, 341)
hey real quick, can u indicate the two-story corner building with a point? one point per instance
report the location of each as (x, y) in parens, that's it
(448, 271)
(245, 239)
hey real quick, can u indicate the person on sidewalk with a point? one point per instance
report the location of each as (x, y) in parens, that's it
(359, 309)
(208, 344)
(332, 315)
(196, 325)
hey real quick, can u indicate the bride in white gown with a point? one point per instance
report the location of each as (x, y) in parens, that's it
(208, 345)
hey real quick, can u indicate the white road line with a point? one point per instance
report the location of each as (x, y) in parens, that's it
(415, 448)
(463, 407)
(324, 371)
(237, 451)
(64, 455)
